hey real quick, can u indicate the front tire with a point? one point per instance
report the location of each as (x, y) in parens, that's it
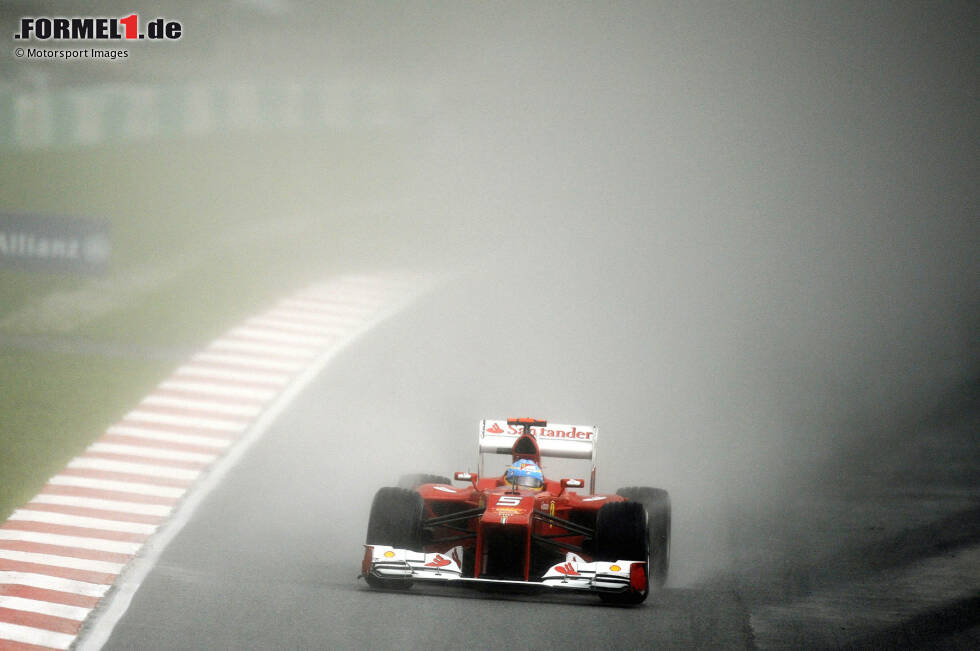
(621, 535)
(396, 521)
(657, 503)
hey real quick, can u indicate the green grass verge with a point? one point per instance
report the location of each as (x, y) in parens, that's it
(52, 406)
(219, 227)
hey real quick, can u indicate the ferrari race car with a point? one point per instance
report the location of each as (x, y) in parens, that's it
(521, 530)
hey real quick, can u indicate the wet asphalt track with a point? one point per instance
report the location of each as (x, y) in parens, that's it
(881, 556)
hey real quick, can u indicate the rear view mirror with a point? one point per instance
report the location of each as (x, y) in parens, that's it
(571, 483)
(466, 476)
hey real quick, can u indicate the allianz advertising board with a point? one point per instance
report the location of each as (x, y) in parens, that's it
(54, 243)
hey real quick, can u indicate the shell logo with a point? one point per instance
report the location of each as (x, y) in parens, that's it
(389, 554)
(615, 568)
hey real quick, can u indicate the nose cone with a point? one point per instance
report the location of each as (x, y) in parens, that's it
(510, 509)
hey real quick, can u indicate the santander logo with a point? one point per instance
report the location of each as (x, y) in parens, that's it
(552, 432)
(573, 433)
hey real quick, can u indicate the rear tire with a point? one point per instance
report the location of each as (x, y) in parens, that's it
(657, 503)
(413, 481)
(396, 521)
(621, 535)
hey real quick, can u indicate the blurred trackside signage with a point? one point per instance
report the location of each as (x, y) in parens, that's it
(54, 244)
(552, 431)
(62, 28)
(106, 113)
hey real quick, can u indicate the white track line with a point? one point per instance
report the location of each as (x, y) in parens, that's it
(218, 408)
(101, 524)
(252, 375)
(217, 389)
(45, 582)
(285, 325)
(217, 424)
(44, 607)
(327, 322)
(151, 452)
(36, 636)
(277, 336)
(97, 544)
(325, 306)
(169, 437)
(121, 486)
(336, 303)
(248, 368)
(148, 470)
(62, 561)
(104, 505)
(277, 350)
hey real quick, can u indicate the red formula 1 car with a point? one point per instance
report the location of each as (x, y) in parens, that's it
(541, 535)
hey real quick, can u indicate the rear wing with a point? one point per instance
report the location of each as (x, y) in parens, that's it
(553, 440)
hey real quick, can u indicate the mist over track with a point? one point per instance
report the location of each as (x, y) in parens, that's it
(845, 554)
(739, 237)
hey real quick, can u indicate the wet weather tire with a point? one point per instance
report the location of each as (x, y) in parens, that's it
(657, 503)
(621, 535)
(396, 521)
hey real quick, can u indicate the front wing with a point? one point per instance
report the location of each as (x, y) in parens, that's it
(384, 562)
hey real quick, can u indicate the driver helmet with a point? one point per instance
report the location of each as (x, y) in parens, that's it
(525, 474)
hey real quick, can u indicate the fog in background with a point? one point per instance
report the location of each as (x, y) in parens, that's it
(739, 237)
